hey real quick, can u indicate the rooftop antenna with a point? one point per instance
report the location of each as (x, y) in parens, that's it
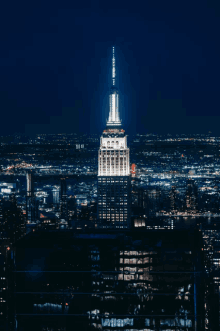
(113, 66)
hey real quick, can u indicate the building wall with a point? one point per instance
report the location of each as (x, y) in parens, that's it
(113, 180)
(113, 159)
(114, 201)
(109, 280)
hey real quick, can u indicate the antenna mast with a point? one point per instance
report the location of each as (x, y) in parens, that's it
(113, 66)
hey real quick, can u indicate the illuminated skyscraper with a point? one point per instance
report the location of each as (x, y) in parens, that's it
(30, 199)
(63, 200)
(56, 197)
(191, 196)
(113, 167)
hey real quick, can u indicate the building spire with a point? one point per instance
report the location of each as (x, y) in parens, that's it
(113, 66)
(114, 117)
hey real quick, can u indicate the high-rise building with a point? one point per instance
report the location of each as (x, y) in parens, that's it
(173, 198)
(154, 201)
(31, 211)
(113, 167)
(191, 196)
(63, 200)
(56, 197)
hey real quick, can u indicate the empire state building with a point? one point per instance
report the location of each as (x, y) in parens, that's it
(113, 167)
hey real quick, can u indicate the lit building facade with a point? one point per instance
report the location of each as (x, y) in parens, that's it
(31, 208)
(56, 197)
(63, 200)
(113, 167)
(191, 196)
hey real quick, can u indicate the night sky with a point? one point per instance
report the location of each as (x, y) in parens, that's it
(55, 63)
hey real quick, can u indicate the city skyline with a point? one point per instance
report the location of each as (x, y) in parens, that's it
(110, 166)
(49, 216)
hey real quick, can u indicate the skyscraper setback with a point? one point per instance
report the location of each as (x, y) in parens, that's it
(113, 166)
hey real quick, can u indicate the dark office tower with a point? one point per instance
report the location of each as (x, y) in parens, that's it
(63, 200)
(173, 205)
(154, 201)
(1, 210)
(3, 284)
(11, 229)
(113, 167)
(30, 199)
(139, 199)
(140, 196)
(191, 196)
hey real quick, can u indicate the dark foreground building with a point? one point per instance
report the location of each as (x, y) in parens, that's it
(107, 280)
